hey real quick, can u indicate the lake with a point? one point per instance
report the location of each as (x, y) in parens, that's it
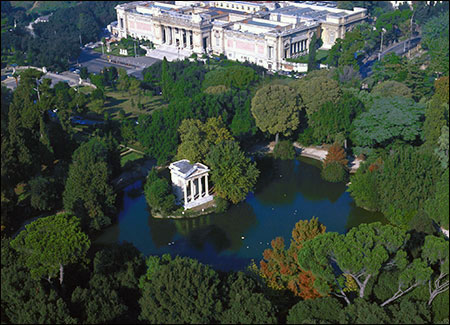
(286, 192)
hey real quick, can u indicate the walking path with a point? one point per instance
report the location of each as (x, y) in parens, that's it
(310, 152)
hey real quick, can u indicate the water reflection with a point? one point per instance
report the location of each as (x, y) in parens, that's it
(287, 191)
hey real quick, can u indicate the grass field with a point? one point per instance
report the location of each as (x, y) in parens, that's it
(44, 6)
(122, 100)
(129, 157)
(86, 89)
(321, 55)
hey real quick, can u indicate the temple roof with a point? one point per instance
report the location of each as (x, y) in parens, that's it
(185, 169)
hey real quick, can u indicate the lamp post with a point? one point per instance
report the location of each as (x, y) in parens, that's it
(409, 47)
(381, 44)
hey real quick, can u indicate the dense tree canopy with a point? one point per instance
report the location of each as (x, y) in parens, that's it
(387, 120)
(88, 192)
(51, 243)
(276, 109)
(232, 172)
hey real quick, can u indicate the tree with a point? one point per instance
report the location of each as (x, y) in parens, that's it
(406, 182)
(386, 120)
(392, 88)
(284, 150)
(435, 40)
(179, 290)
(317, 89)
(335, 164)
(363, 185)
(50, 243)
(232, 173)
(279, 267)
(166, 80)
(312, 64)
(276, 109)
(437, 206)
(100, 302)
(442, 150)
(158, 193)
(243, 123)
(44, 193)
(313, 311)
(88, 192)
(435, 251)
(244, 302)
(334, 119)
(197, 138)
(84, 73)
(238, 76)
(360, 254)
(436, 117)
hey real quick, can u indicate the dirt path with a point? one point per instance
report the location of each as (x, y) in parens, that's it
(35, 4)
(310, 152)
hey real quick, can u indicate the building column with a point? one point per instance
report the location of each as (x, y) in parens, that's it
(183, 44)
(166, 34)
(188, 39)
(185, 192)
(174, 37)
(200, 195)
(206, 184)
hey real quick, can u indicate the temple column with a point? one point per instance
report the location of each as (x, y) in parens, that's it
(200, 187)
(185, 192)
(206, 185)
(192, 190)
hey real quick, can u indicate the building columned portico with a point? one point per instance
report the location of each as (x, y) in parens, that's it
(190, 183)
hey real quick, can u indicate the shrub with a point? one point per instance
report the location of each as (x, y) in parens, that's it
(221, 204)
(334, 172)
(307, 137)
(284, 150)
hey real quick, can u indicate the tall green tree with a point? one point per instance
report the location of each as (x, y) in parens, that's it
(435, 251)
(437, 206)
(276, 109)
(317, 89)
(179, 290)
(388, 119)
(50, 243)
(88, 192)
(333, 119)
(232, 172)
(361, 254)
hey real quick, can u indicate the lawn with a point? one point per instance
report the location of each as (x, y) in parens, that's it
(129, 157)
(43, 6)
(86, 89)
(321, 56)
(117, 100)
(115, 50)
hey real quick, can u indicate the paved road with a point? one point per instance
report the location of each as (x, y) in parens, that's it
(399, 49)
(95, 62)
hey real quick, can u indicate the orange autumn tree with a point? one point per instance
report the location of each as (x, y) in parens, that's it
(280, 268)
(335, 165)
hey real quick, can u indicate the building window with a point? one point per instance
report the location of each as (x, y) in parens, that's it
(270, 52)
(217, 41)
(121, 23)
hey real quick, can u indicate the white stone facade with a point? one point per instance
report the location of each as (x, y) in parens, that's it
(264, 34)
(190, 183)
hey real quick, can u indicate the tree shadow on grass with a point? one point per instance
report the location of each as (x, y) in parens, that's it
(111, 101)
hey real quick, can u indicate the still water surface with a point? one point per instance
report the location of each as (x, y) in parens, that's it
(286, 192)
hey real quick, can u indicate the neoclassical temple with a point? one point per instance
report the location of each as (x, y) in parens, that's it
(190, 183)
(265, 33)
